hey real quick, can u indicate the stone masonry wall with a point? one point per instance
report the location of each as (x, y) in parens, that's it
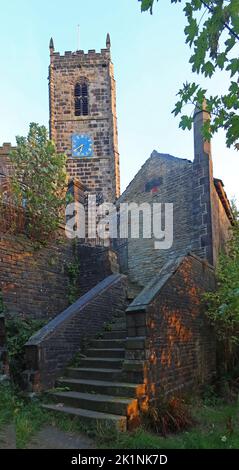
(173, 184)
(221, 225)
(170, 342)
(100, 173)
(35, 281)
(211, 222)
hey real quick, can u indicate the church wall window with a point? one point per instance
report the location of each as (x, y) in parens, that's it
(81, 99)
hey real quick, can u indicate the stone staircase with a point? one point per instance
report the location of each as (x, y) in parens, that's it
(95, 391)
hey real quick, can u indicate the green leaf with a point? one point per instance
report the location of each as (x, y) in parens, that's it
(208, 69)
(221, 59)
(146, 5)
(186, 122)
(233, 66)
(191, 31)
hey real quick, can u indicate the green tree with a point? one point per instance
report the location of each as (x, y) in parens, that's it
(212, 31)
(223, 304)
(39, 181)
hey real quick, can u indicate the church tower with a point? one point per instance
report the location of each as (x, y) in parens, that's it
(83, 120)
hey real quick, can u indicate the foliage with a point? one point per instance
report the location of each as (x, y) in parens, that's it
(216, 427)
(39, 181)
(19, 330)
(73, 271)
(212, 31)
(223, 304)
(28, 416)
(166, 415)
(108, 327)
(7, 405)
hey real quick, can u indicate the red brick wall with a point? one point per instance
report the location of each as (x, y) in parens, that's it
(169, 334)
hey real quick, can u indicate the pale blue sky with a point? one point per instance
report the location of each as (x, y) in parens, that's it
(151, 63)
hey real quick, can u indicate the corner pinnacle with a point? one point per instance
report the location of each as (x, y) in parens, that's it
(108, 42)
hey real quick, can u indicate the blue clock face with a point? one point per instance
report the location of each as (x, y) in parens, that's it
(82, 146)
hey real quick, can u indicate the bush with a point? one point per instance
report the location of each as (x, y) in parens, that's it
(19, 330)
(167, 415)
(223, 304)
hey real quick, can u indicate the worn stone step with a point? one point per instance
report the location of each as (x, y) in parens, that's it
(107, 343)
(91, 417)
(99, 362)
(97, 402)
(119, 389)
(117, 334)
(93, 373)
(111, 353)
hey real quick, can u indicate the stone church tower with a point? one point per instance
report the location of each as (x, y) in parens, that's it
(83, 120)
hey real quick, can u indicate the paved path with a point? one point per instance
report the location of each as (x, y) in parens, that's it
(8, 437)
(50, 437)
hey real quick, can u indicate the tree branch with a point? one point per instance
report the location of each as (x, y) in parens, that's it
(225, 24)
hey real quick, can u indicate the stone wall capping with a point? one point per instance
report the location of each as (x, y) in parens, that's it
(72, 310)
(152, 289)
(200, 260)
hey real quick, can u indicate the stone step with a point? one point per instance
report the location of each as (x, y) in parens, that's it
(107, 343)
(97, 402)
(91, 417)
(119, 326)
(93, 373)
(119, 389)
(117, 334)
(102, 363)
(110, 353)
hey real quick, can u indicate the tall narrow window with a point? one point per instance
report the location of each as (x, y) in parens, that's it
(81, 99)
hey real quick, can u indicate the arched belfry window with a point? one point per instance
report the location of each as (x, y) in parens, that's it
(81, 99)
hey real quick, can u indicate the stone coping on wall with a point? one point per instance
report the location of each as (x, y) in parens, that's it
(57, 322)
(148, 294)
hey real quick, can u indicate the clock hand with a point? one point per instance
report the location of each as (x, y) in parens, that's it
(80, 147)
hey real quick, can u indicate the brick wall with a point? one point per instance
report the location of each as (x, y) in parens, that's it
(96, 263)
(35, 281)
(170, 344)
(53, 347)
